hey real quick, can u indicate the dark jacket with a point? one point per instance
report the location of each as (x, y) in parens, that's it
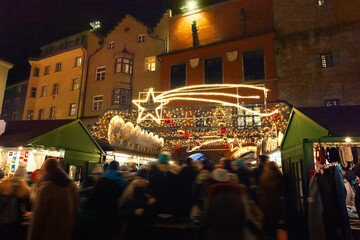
(164, 186)
(187, 178)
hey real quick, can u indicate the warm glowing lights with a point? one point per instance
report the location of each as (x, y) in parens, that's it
(20, 148)
(348, 140)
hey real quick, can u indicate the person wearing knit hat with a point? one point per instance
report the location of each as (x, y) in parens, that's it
(88, 185)
(20, 172)
(163, 158)
(242, 172)
(221, 175)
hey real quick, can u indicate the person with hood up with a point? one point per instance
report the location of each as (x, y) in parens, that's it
(271, 187)
(56, 205)
(14, 201)
(226, 210)
(136, 207)
(164, 186)
(187, 178)
(105, 198)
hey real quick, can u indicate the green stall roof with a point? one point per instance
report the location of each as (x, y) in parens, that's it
(299, 128)
(60, 134)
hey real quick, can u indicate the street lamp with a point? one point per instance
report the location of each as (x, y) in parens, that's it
(189, 6)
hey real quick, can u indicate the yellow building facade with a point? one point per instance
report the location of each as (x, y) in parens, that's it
(125, 64)
(56, 82)
(4, 69)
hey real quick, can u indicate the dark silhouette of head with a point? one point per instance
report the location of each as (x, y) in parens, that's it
(114, 165)
(51, 165)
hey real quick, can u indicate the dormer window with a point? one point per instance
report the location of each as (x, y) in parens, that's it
(141, 38)
(111, 45)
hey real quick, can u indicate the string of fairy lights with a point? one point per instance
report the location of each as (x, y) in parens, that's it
(191, 126)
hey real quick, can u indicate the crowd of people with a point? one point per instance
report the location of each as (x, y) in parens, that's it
(228, 200)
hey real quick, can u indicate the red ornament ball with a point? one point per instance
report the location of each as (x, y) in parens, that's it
(197, 144)
(223, 130)
(252, 139)
(167, 119)
(227, 145)
(173, 123)
(186, 135)
(276, 115)
(176, 148)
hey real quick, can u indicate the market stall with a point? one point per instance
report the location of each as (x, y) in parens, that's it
(313, 137)
(32, 142)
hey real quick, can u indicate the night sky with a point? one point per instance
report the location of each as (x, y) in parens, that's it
(25, 25)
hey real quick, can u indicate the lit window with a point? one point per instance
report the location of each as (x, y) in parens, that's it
(254, 68)
(150, 64)
(124, 65)
(321, 2)
(30, 114)
(36, 72)
(111, 45)
(121, 96)
(52, 112)
(327, 60)
(44, 91)
(332, 103)
(97, 102)
(72, 110)
(100, 74)
(213, 70)
(58, 67)
(46, 70)
(55, 88)
(76, 84)
(33, 92)
(41, 114)
(141, 38)
(78, 61)
(247, 120)
(177, 76)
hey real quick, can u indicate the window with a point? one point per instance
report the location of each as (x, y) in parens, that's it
(76, 84)
(248, 120)
(97, 102)
(100, 74)
(141, 38)
(72, 110)
(78, 61)
(327, 60)
(254, 65)
(55, 88)
(44, 91)
(46, 70)
(320, 2)
(33, 92)
(150, 63)
(177, 76)
(121, 96)
(13, 116)
(124, 65)
(213, 70)
(30, 114)
(36, 72)
(111, 45)
(58, 67)
(52, 112)
(41, 114)
(332, 103)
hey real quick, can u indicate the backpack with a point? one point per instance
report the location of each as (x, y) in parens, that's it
(9, 211)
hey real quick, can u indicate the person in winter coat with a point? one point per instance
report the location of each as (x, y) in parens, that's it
(226, 210)
(136, 207)
(88, 185)
(105, 199)
(201, 185)
(56, 205)
(271, 187)
(187, 178)
(16, 191)
(241, 170)
(164, 186)
(36, 177)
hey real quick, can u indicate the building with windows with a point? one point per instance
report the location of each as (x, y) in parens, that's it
(14, 101)
(4, 69)
(317, 52)
(125, 64)
(55, 87)
(227, 43)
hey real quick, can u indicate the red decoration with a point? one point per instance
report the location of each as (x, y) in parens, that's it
(176, 148)
(227, 145)
(197, 144)
(252, 139)
(173, 123)
(276, 115)
(167, 119)
(186, 135)
(223, 130)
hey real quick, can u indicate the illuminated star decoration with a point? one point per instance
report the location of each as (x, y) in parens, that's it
(150, 95)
